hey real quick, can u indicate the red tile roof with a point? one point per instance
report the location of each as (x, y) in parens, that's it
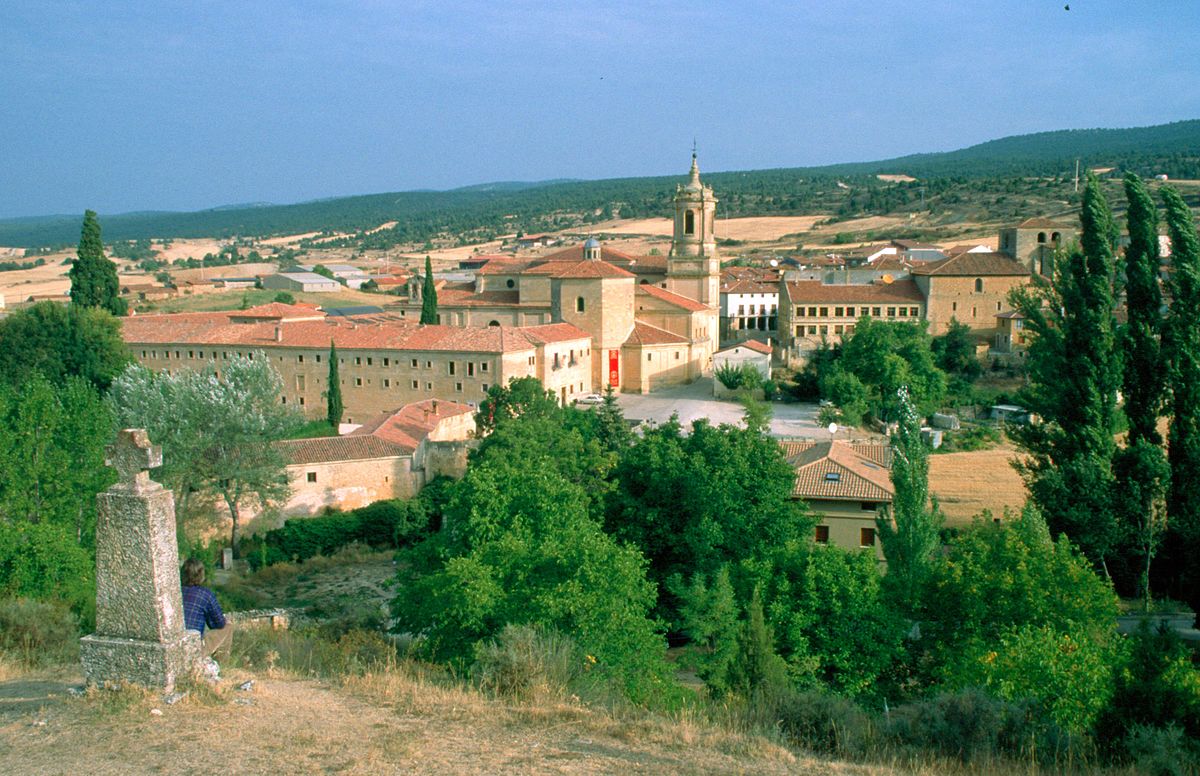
(972, 264)
(344, 448)
(1042, 223)
(761, 347)
(575, 253)
(549, 333)
(645, 334)
(376, 332)
(839, 471)
(278, 311)
(591, 268)
(807, 291)
(746, 286)
(409, 425)
(672, 298)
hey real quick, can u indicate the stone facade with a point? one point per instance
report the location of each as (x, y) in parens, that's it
(970, 288)
(140, 635)
(1033, 243)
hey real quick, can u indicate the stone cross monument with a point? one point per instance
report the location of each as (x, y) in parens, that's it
(140, 636)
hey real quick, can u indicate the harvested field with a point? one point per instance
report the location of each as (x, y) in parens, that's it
(753, 229)
(967, 483)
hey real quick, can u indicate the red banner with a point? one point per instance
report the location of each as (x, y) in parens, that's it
(614, 368)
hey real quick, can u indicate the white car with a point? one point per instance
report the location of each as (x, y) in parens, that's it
(591, 398)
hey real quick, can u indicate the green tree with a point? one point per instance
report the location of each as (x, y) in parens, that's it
(323, 271)
(886, 355)
(522, 396)
(909, 530)
(429, 301)
(1140, 469)
(758, 672)
(333, 394)
(693, 503)
(93, 277)
(518, 547)
(61, 341)
(1182, 541)
(217, 432)
(954, 351)
(992, 586)
(709, 617)
(52, 442)
(1074, 375)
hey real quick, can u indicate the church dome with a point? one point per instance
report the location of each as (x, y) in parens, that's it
(592, 242)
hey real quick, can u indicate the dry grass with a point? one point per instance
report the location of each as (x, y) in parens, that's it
(968, 483)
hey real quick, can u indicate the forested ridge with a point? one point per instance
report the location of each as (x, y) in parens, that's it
(989, 180)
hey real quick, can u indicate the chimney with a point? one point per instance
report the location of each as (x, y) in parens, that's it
(435, 406)
(278, 333)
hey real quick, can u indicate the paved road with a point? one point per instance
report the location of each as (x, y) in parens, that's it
(696, 401)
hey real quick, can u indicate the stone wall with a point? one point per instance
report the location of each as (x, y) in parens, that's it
(949, 296)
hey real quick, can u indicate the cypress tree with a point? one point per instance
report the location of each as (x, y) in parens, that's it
(429, 312)
(333, 395)
(1075, 374)
(1183, 349)
(1140, 468)
(910, 541)
(93, 277)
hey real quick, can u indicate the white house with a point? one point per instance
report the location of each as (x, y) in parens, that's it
(749, 306)
(301, 281)
(752, 352)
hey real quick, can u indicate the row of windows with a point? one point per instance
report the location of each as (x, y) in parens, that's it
(857, 312)
(866, 536)
(813, 329)
(762, 309)
(452, 367)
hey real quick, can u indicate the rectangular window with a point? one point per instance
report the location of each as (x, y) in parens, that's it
(483, 366)
(903, 312)
(891, 312)
(485, 387)
(824, 312)
(866, 537)
(429, 386)
(300, 359)
(799, 330)
(649, 357)
(954, 307)
(318, 358)
(429, 365)
(358, 381)
(812, 312)
(191, 354)
(839, 329)
(458, 387)
(414, 363)
(387, 383)
(839, 312)
(415, 385)
(869, 506)
(676, 358)
(387, 362)
(311, 476)
(812, 329)
(875, 311)
(358, 361)
(301, 401)
(799, 311)
(451, 368)
(822, 534)
(470, 369)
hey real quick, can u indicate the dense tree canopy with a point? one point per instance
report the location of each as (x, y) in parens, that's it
(93, 277)
(60, 341)
(872, 364)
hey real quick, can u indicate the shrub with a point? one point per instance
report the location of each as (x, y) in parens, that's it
(38, 632)
(43, 561)
(823, 722)
(1161, 751)
(307, 651)
(734, 376)
(526, 661)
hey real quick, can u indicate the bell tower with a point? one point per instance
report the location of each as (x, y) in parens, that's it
(693, 266)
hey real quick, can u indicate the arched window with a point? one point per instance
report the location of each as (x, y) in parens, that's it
(1041, 237)
(579, 304)
(643, 282)
(1055, 237)
(493, 323)
(979, 285)
(689, 222)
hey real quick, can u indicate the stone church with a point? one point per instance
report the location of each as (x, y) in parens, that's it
(653, 321)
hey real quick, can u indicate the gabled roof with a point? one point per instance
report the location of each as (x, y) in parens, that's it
(409, 425)
(671, 298)
(591, 268)
(548, 333)
(839, 471)
(755, 345)
(969, 263)
(645, 334)
(809, 291)
(575, 253)
(747, 286)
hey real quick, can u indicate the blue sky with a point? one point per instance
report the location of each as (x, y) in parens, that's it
(184, 105)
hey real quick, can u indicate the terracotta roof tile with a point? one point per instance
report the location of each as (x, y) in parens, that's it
(409, 425)
(672, 298)
(972, 264)
(807, 291)
(553, 332)
(591, 268)
(837, 470)
(645, 334)
(761, 347)
(344, 448)
(575, 254)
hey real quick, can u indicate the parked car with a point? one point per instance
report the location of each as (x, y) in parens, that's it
(590, 399)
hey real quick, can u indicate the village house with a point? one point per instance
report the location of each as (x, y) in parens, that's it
(383, 361)
(844, 484)
(310, 282)
(812, 312)
(749, 304)
(969, 287)
(653, 320)
(392, 455)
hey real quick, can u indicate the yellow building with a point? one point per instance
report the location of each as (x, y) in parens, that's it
(653, 321)
(383, 361)
(845, 485)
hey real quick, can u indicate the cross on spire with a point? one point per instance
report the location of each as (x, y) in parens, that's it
(133, 456)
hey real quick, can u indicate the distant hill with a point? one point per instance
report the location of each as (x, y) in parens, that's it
(482, 211)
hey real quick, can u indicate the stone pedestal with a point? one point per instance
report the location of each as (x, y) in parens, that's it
(140, 636)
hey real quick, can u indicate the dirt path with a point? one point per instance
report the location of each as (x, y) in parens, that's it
(385, 724)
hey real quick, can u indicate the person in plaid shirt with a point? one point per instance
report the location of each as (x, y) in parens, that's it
(201, 611)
